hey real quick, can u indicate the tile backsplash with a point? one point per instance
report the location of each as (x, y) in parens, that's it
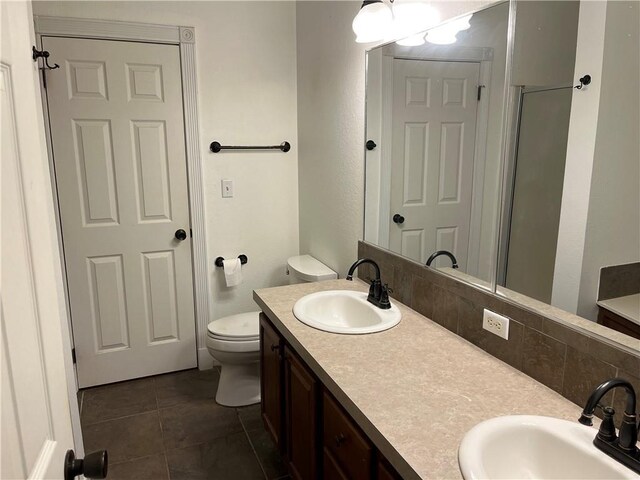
(619, 281)
(561, 358)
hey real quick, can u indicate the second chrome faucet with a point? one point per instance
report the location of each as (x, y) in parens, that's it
(378, 293)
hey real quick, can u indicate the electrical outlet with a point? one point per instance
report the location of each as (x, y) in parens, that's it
(496, 324)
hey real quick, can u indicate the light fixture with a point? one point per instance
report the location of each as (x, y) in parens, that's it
(373, 22)
(412, 41)
(446, 34)
(379, 21)
(409, 18)
(441, 37)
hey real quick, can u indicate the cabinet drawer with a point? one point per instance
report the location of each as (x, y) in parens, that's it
(343, 440)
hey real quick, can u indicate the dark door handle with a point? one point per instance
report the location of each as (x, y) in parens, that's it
(181, 234)
(397, 218)
(94, 465)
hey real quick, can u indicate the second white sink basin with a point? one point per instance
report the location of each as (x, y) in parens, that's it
(344, 311)
(527, 446)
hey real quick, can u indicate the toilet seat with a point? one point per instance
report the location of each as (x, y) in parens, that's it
(233, 346)
(235, 333)
(243, 326)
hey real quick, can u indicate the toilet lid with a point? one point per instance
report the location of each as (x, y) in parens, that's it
(241, 326)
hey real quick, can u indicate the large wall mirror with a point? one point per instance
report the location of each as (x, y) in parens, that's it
(435, 109)
(486, 150)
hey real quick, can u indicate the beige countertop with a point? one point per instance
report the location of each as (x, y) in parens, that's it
(627, 307)
(415, 389)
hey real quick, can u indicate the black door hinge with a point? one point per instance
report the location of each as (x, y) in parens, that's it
(73, 355)
(480, 87)
(191, 232)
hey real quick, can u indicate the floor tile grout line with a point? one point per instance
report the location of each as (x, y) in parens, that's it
(253, 449)
(164, 445)
(135, 459)
(166, 465)
(119, 418)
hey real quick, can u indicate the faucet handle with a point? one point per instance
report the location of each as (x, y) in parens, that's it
(384, 297)
(607, 430)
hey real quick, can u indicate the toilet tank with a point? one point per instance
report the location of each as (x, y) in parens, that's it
(305, 268)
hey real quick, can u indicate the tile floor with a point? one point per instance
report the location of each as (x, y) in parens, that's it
(170, 427)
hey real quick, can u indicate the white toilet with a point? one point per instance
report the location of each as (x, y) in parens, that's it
(234, 341)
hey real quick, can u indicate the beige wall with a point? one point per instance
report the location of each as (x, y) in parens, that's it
(613, 222)
(331, 89)
(246, 61)
(545, 42)
(330, 132)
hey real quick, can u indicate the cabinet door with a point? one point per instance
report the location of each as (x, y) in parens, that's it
(301, 391)
(347, 444)
(331, 469)
(386, 471)
(271, 385)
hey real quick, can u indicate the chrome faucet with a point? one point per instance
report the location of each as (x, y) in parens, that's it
(435, 255)
(378, 293)
(622, 448)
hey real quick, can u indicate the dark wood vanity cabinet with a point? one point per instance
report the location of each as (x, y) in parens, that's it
(289, 403)
(345, 448)
(301, 391)
(618, 323)
(314, 434)
(271, 385)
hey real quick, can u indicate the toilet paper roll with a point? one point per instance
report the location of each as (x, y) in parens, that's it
(232, 272)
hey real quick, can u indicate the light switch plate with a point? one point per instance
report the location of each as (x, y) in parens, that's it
(227, 188)
(496, 324)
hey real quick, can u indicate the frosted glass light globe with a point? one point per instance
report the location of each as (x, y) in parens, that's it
(441, 37)
(446, 34)
(412, 41)
(411, 17)
(372, 23)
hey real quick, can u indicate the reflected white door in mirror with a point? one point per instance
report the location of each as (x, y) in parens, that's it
(432, 156)
(435, 113)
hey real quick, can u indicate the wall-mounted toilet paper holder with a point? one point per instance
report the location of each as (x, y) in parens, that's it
(243, 260)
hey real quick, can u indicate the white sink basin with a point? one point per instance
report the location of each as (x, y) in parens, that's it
(526, 446)
(344, 311)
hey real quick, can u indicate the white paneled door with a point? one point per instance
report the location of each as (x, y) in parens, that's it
(36, 412)
(118, 145)
(433, 138)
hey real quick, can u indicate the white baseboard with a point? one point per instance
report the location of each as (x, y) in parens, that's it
(205, 360)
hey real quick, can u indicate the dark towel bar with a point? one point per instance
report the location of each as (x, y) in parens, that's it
(215, 147)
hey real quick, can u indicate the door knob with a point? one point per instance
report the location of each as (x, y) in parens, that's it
(94, 465)
(397, 218)
(181, 234)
